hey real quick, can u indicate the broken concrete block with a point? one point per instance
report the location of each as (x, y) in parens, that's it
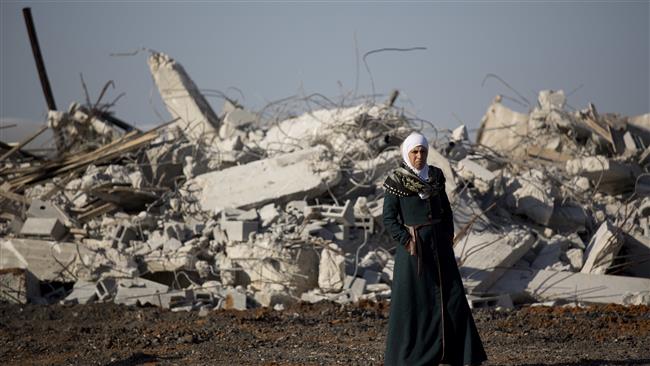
(279, 179)
(306, 130)
(83, 292)
(387, 271)
(234, 120)
(268, 214)
(459, 134)
(266, 263)
(355, 287)
(503, 130)
(640, 126)
(235, 300)
(106, 288)
(47, 260)
(543, 285)
(313, 296)
(183, 99)
(271, 298)
(602, 249)
(331, 269)
(550, 99)
(609, 176)
(630, 142)
(139, 290)
(47, 210)
(576, 258)
(123, 234)
(485, 255)
(533, 198)
(550, 253)
(375, 260)
(18, 286)
(378, 287)
(474, 172)
(486, 302)
(239, 230)
(341, 214)
(50, 228)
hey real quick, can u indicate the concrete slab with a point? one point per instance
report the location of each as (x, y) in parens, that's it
(610, 176)
(550, 254)
(47, 210)
(305, 130)
(485, 255)
(18, 286)
(183, 99)
(534, 197)
(267, 264)
(503, 129)
(238, 230)
(47, 260)
(83, 292)
(602, 249)
(543, 285)
(48, 228)
(139, 290)
(279, 180)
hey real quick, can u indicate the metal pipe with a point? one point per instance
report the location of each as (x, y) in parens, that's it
(38, 58)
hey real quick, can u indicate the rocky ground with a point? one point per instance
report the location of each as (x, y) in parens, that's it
(306, 334)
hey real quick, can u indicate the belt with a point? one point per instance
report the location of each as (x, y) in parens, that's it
(414, 245)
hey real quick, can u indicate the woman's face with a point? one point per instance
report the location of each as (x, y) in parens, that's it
(418, 157)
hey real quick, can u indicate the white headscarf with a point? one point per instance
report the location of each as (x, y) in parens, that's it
(413, 140)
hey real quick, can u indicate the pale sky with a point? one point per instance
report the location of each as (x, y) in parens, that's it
(270, 50)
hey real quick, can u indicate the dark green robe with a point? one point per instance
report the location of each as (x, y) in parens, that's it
(430, 320)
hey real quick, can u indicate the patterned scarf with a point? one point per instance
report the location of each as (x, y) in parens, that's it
(404, 182)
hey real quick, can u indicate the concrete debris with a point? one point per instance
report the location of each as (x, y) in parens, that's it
(482, 302)
(484, 256)
(266, 208)
(43, 228)
(47, 260)
(472, 171)
(83, 292)
(602, 249)
(331, 269)
(301, 174)
(18, 285)
(607, 175)
(459, 134)
(183, 99)
(545, 285)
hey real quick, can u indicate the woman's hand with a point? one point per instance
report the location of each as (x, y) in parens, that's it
(411, 245)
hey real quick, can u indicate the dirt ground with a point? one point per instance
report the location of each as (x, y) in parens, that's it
(306, 334)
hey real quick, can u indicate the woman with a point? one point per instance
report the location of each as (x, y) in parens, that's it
(430, 321)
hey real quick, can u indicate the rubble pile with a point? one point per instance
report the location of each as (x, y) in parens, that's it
(241, 209)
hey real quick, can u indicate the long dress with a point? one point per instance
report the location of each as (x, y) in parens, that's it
(430, 320)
